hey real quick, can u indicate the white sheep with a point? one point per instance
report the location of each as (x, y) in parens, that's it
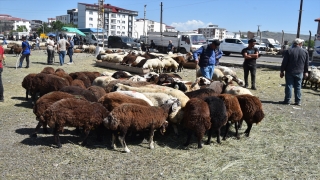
(138, 95)
(170, 64)
(226, 70)
(137, 78)
(102, 81)
(237, 90)
(154, 64)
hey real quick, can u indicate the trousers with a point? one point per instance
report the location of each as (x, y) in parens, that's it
(1, 85)
(252, 69)
(22, 58)
(207, 71)
(293, 80)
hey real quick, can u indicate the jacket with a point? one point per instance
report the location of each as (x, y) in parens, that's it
(295, 60)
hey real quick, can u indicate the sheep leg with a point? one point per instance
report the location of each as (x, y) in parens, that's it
(199, 136)
(236, 126)
(151, 143)
(27, 93)
(247, 132)
(56, 137)
(218, 136)
(188, 138)
(45, 129)
(84, 142)
(240, 124)
(209, 136)
(113, 141)
(123, 142)
(34, 134)
(227, 129)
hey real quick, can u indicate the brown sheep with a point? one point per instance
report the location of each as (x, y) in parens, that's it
(82, 76)
(43, 103)
(181, 61)
(48, 70)
(16, 49)
(97, 91)
(26, 83)
(44, 83)
(201, 93)
(134, 117)
(77, 51)
(64, 75)
(129, 59)
(115, 99)
(196, 119)
(74, 113)
(91, 75)
(79, 83)
(76, 90)
(234, 113)
(252, 111)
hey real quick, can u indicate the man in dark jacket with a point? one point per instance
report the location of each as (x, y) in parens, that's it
(250, 54)
(208, 56)
(295, 64)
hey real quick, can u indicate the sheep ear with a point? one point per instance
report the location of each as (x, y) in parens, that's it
(174, 107)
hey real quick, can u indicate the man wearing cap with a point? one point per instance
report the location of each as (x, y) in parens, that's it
(62, 48)
(294, 66)
(208, 56)
(250, 54)
(50, 50)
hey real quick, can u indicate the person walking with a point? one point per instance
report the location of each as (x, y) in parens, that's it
(38, 43)
(208, 56)
(294, 66)
(4, 41)
(1, 69)
(25, 52)
(170, 47)
(70, 50)
(50, 50)
(250, 54)
(62, 48)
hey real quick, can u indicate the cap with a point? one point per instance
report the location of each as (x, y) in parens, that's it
(51, 35)
(252, 40)
(298, 41)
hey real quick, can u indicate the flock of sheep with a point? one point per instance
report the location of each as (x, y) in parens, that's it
(123, 103)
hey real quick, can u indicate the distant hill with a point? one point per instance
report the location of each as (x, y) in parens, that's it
(278, 36)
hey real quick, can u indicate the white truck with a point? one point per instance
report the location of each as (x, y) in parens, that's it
(95, 36)
(316, 50)
(20, 34)
(182, 41)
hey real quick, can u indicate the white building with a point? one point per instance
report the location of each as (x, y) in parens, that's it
(149, 26)
(118, 21)
(213, 32)
(14, 23)
(50, 20)
(73, 13)
(63, 18)
(229, 34)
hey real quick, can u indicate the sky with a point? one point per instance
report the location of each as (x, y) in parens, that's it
(184, 15)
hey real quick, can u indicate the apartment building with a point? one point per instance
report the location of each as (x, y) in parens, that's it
(73, 14)
(64, 19)
(7, 22)
(117, 21)
(50, 20)
(149, 26)
(213, 32)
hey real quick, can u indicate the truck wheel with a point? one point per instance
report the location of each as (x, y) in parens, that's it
(183, 51)
(227, 53)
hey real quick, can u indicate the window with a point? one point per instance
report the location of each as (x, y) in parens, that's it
(90, 19)
(118, 21)
(90, 12)
(123, 22)
(123, 16)
(230, 40)
(118, 27)
(123, 27)
(118, 32)
(118, 15)
(113, 27)
(113, 21)
(90, 25)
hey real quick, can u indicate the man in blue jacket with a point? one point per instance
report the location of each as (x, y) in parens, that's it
(208, 56)
(25, 52)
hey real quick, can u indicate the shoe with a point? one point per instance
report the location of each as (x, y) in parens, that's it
(70, 63)
(19, 67)
(1, 100)
(27, 67)
(245, 86)
(253, 88)
(297, 103)
(284, 102)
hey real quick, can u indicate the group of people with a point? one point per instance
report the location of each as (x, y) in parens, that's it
(64, 46)
(294, 66)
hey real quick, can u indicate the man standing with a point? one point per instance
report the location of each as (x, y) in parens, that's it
(250, 54)
(62, 48)
(295, 64)
(170, 47)
(25, 52)
(70, 50)
(1, 69)
(208, 56)
(50, 50)
(38, 43)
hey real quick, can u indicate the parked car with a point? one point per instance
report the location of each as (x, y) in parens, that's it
(124, 42)
(235, 45)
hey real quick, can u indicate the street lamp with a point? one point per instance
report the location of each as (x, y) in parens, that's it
(42, 28)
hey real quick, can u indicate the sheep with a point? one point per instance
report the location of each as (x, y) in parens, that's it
(43, 103)
(150, 75)
(251, 108)
(48, 70)
(121, 74)
(217, 74)
(202, 81)
(111, 86)
(76, 90)
(97, 91)
(106, 73)
(79, 83)
(226, 70)
(81, 76)
(26, 83)
(154, 64)
(102, 81)
(137, 78)
(164, 78)
(137, 61)
(237, 90)
(218, 116)
(44, 83)
(91, 75)
(129, 59)
(196, 119)
(157, 99)
(201, 93)
(137, 95)
(74, 113)
(114, 99)
(64, 75)
(234, 113)
(184, 86)
(137, 118)
(170, 64)
(140, 64)
(181, 61)
(314, 77)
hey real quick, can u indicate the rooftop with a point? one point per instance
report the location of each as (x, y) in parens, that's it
(111, 8)
(10, 18)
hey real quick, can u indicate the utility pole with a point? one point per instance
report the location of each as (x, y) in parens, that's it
(161, 18)
(299, 21)
(282, 39)
(258, 29)
(100, 23)
(144, 25)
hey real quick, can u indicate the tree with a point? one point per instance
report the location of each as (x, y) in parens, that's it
(306, 43)
(45, 28)
(57, 25)
(22, 29)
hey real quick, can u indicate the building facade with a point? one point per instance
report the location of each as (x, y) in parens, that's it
(213, 32)
(8, 23)
(35, 24)
(117, 21)
(73, 14)
(50, 20)
(64, 19)
(149, 26)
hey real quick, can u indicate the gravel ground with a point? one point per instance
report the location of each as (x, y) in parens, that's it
(285, 145)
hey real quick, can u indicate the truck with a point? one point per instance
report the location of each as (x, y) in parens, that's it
(316, 50)
(95, 36)
(20, 34)
(183, 42)
(235, 45)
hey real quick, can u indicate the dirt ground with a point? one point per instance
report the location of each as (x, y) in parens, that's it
(285, 145)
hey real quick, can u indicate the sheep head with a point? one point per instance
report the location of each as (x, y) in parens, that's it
(163, 127)
(110, 122)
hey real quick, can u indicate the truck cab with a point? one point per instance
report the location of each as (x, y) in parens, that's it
(95, 36)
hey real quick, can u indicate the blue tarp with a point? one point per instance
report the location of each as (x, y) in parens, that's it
(94, 30)
(51, 34)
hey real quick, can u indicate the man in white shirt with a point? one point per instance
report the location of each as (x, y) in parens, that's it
(62, 48)
(50, 50)
(38, 43)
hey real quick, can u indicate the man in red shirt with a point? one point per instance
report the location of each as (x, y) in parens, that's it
(1, 68)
